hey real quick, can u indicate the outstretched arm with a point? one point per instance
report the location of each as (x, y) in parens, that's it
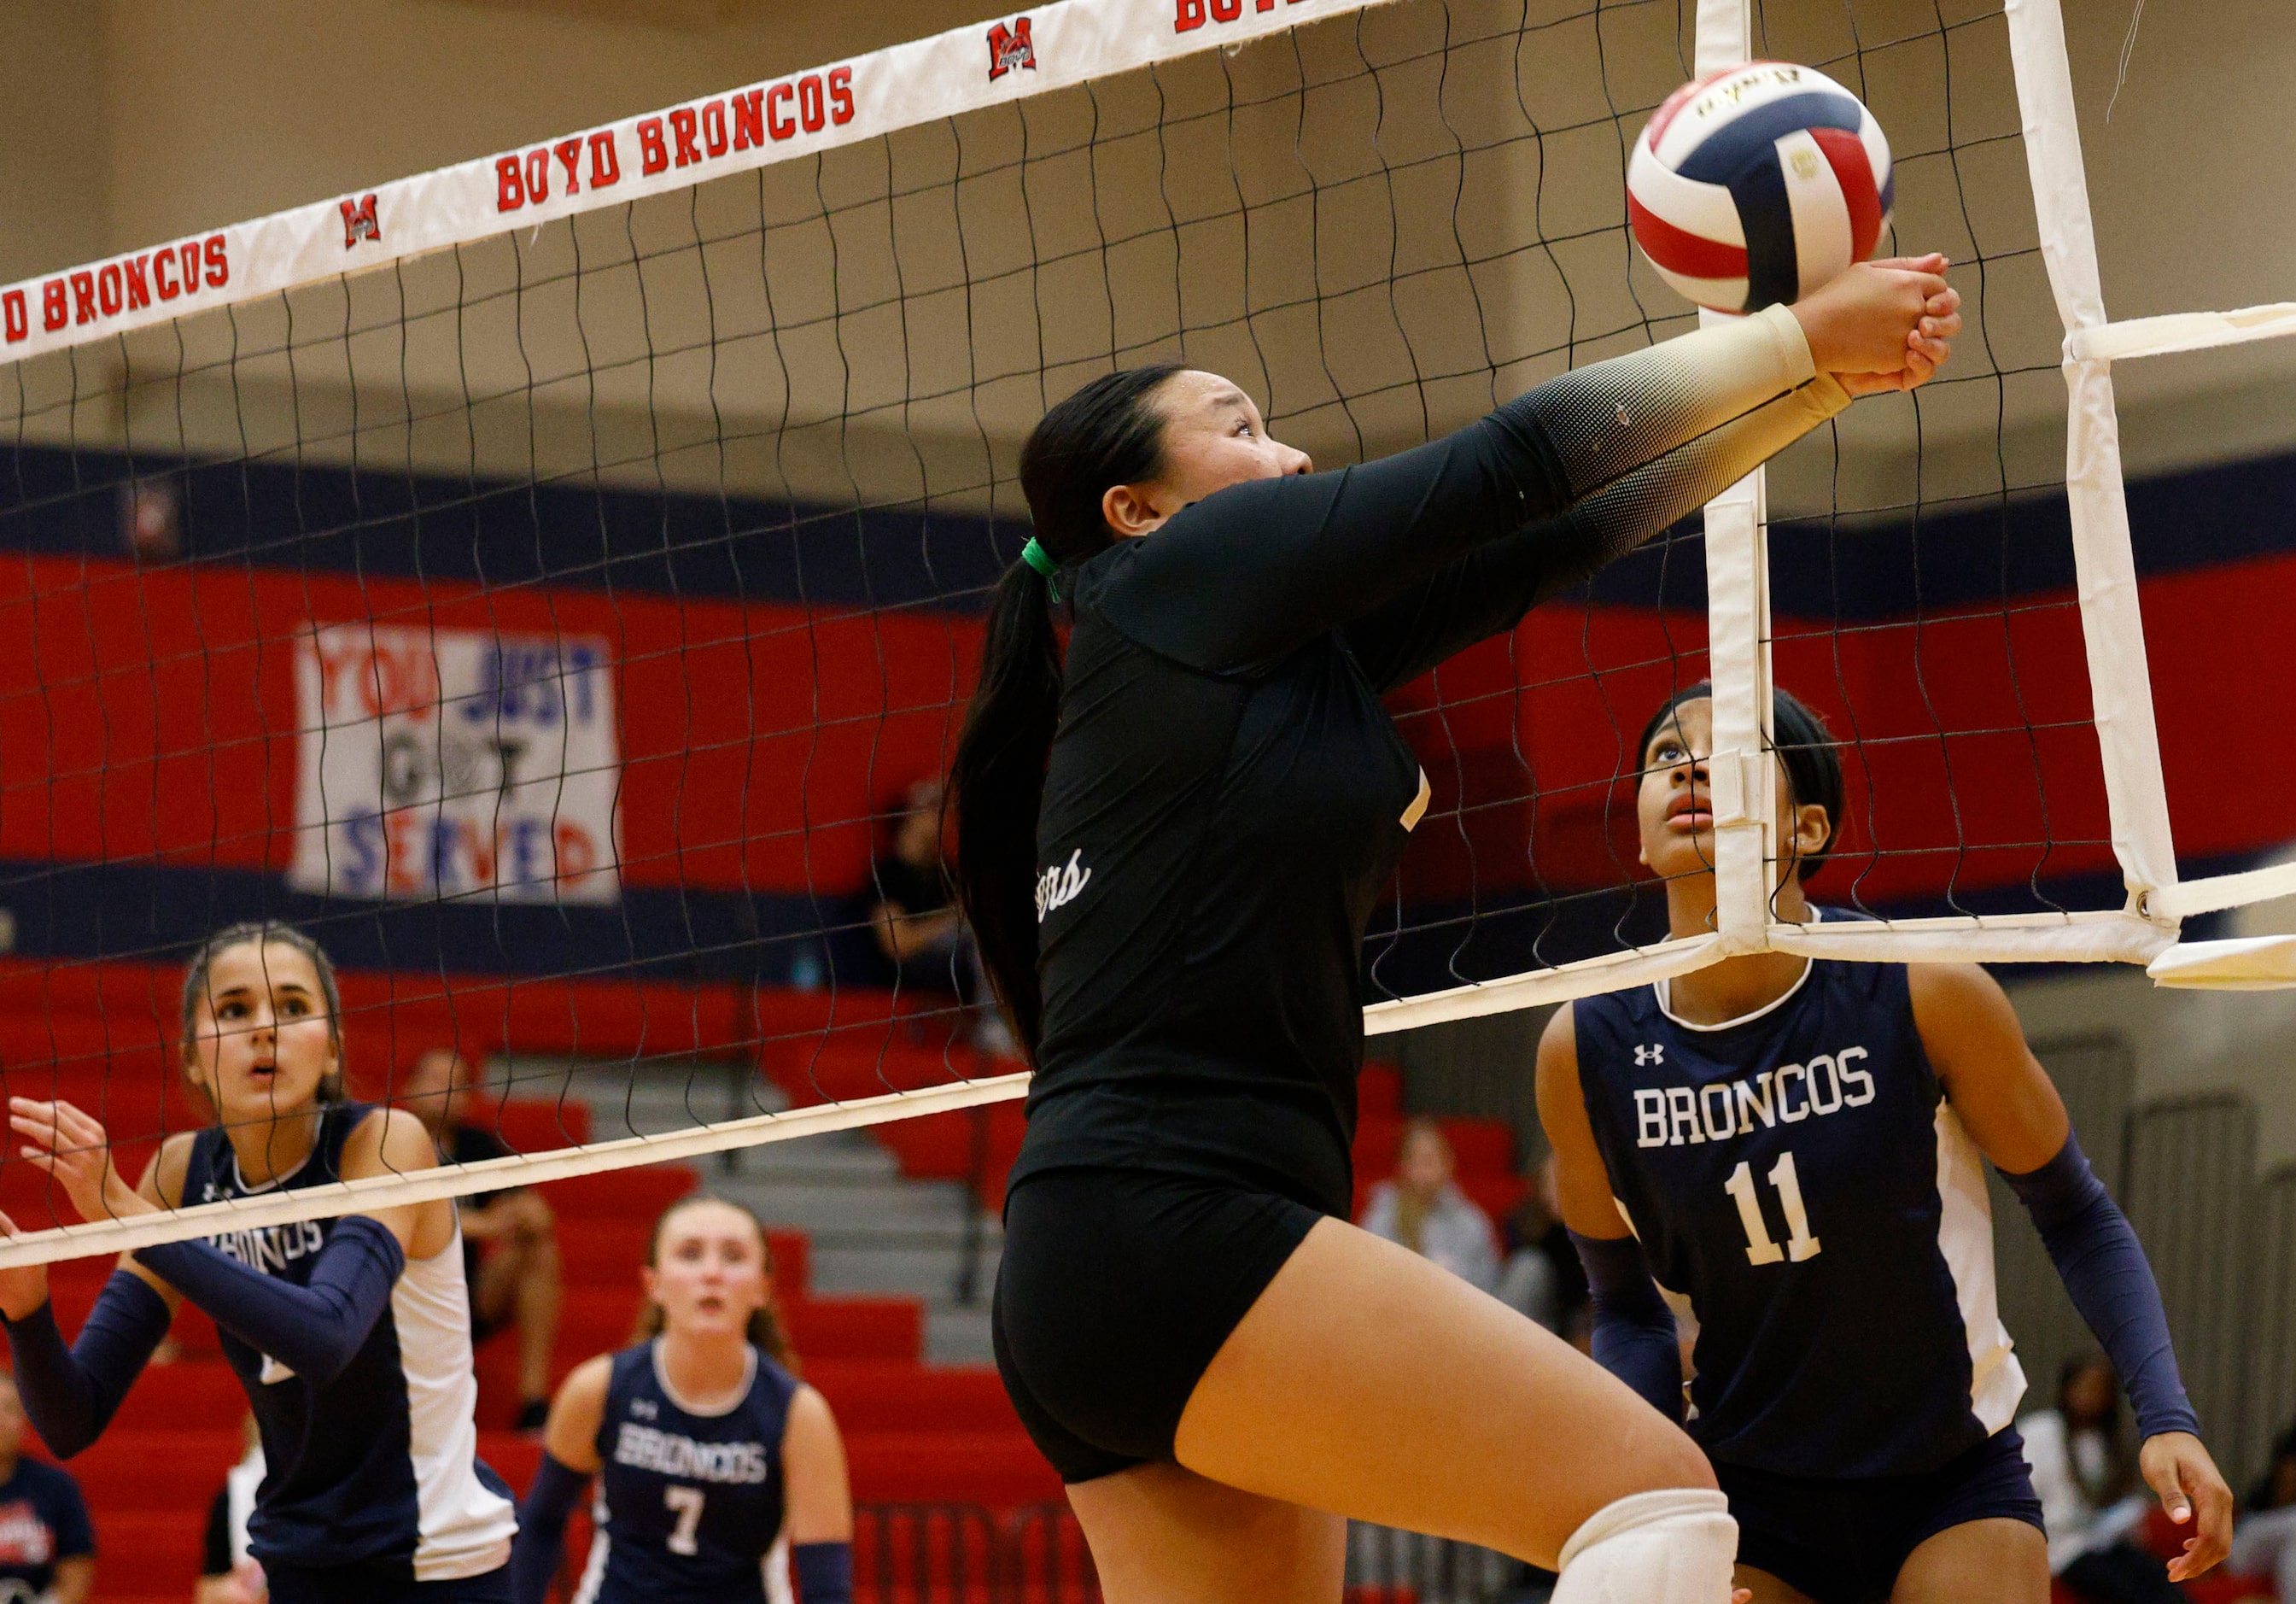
(72, 1392)
(1255, 569)
(2011, 1110)
(314, 1329)
(1635, 1335)
(820, 1501)
(1488, 591)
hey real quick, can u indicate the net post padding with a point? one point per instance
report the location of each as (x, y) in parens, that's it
(370, 1193)
(666, 152)
(2254, 963)
(2112, 626)
(1738, 629)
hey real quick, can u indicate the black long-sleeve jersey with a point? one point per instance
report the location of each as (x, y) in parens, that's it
(1227, 797)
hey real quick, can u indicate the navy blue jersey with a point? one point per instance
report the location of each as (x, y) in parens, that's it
(378, 1467)
(1798, 1175)
(689, 1504)
(43, 1519)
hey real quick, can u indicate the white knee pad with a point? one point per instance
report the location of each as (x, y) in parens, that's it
(1672, 1547)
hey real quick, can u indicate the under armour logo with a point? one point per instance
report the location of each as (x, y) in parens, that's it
(1644, 1057)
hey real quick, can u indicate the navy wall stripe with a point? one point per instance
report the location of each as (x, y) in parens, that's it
(1970, 554)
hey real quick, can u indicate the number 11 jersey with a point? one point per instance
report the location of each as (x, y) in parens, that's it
(1798, 1174)
(689, 1503)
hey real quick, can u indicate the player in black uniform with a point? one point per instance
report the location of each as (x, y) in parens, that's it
(1794, 1147)
(351, 1335)
(714, 1460)
(1168, 845)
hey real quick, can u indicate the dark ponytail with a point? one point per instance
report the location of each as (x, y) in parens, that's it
(1106, 434)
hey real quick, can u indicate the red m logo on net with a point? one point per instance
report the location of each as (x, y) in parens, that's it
(1010, 48)
(360, 223)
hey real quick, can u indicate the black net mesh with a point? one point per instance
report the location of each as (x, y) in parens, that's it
(568, 630)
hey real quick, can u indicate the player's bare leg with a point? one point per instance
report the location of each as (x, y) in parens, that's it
(1163, 1536)
(1368, 1383)
(1996, 1561)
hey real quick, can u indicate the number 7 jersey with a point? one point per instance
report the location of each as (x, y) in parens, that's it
(1798, 1174)
(689, 1502)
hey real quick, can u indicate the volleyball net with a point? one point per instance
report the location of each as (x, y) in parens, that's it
(554, 581)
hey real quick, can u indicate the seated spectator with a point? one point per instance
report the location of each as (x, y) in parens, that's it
(2084, 1468)
(2264, 1543)
(1424, 1211)
(47, 1548)
(1542, 1277)
(918, 926)
(509, 1237)
(228, 1572)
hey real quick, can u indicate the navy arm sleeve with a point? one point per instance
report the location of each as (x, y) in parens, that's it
(71, 1393)
(1488, 591)
(1635, 1334)
(314, 1330)
(2103, 1266)
(825, 1572)
(215, 1548)
(75, 1531)
(541, 1541)
(1250, 573)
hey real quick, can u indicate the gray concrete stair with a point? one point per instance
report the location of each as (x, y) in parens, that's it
(872, 1229)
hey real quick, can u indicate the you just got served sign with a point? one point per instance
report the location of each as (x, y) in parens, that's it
(455, 763)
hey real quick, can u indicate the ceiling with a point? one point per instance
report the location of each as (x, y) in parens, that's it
(682, 16)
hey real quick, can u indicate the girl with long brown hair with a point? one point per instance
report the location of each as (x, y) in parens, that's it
(350, 1335)
(713, 1458)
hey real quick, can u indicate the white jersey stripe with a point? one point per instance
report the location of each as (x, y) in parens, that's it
(593, 1572)
(776, 1569)
(463, 1527)
(1966, 1241)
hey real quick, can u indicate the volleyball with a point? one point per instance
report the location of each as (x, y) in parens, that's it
(1757, 184)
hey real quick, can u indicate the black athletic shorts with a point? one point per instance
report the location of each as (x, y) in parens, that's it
(1117, 1288)
(380, 1584)
(1842, 1542)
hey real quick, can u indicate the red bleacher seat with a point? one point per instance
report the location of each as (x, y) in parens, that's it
(1480, 1147)
(942, 1146)
(926, 1467)
(618, 1195)
(152, 1552)
(388, 1018)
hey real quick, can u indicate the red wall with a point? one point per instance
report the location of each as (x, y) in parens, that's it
(153, 714)
(1971, 758)
(147, 715)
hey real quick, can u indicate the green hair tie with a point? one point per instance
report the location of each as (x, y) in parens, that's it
(1037, 557)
